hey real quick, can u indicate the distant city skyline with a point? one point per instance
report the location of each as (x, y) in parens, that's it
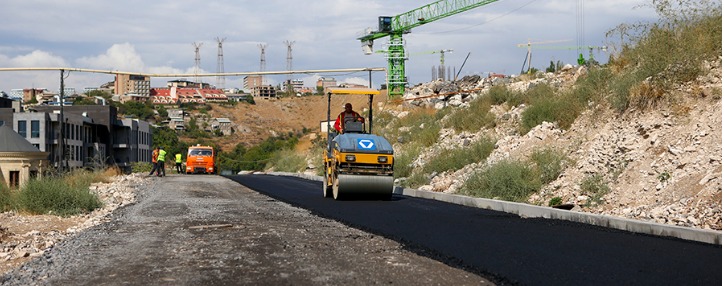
(157, 37)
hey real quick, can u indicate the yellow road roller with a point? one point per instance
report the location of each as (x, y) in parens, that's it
(358, 164)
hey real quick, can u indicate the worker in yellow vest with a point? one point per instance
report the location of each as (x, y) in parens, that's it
(161, 162)
(178, 163)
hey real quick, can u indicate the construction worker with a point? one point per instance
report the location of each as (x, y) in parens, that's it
(347, 115)
(161, 172)
(154, 160)
(178, 163)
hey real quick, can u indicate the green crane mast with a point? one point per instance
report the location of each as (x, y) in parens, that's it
(401, 24)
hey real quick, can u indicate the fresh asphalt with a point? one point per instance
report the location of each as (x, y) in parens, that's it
(507, 248)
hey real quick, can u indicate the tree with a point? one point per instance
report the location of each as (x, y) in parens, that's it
(84, 101)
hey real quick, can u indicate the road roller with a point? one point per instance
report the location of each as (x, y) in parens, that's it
(358, 164)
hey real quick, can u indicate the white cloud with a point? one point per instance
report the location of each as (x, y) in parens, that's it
(156, 36)
(36, 58)
(122, 57)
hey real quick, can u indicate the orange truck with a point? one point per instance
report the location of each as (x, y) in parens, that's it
(201, 159)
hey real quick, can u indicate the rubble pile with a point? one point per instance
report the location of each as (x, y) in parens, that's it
(120, 192)
(661, 165)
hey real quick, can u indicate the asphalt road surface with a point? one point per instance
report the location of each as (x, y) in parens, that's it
(209, 230)
(506, 248)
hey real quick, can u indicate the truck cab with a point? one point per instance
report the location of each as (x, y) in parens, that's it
(201, 160)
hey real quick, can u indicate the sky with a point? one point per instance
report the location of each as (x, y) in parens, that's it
(158, 37)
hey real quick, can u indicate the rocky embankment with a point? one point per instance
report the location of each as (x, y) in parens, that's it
(23, 237)
(661, 165)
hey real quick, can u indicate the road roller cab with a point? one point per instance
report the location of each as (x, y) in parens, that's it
(357, 162)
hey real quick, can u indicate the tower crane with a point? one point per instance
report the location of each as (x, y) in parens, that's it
(580, 59)
(529, 45)
(396, 26)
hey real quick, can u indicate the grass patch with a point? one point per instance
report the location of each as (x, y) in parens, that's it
(657, 56)
(403, 160)
(64, 195)
(421, 126)
(560, 110)
(472, 119)
(505, 180)
(287, 160)
(549, 164)
(595, 188)
(454, 159)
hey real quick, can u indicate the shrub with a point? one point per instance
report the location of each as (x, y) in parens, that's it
(6, 198)
(505, 180)
(549, 164)
(555, 201)
(499, 94)
(286, 160)
(424, 125)
(562, 110)
(454, 159)
(472, 119)
(141, 167)
(595, 188)
(55, 195)
(593, 86)
(403, 160)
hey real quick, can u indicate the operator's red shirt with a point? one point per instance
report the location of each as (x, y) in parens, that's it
(339, 123)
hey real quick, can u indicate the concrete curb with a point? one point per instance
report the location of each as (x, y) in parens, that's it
(532, 211)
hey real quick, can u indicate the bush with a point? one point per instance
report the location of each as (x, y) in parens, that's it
(555, 201)
(287, 160)
(472, 119)
(424, 127)
(403, 160)
(595, 188)
(454, 159)
(561, 110)
(54, 195)
(549, 164)
(505, 180)
(6, 198)
(662, 53)
(141, 167)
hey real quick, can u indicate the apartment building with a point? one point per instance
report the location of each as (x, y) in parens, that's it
(91, 135)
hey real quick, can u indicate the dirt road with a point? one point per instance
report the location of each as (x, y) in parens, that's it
(208, 230)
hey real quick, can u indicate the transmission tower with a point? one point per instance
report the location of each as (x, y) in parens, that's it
(197, 61)
(262, 62)
(289, 59)
(220, 80)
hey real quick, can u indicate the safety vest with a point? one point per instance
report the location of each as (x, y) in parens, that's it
(161, 155)
(178, 158)
(154, 156)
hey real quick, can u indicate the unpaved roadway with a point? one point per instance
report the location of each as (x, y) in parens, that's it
(209, 230)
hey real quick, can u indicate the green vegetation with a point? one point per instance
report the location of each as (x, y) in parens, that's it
(546, 106)
(549, 164)
(167, 138)
(595, 188)
(287, 160)
(555, 201)
(257, 158)
(474, 118)
(454, 159)
(505, 180)
(64, 195)
(656, 56)
(515, 181)
(141, 110)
